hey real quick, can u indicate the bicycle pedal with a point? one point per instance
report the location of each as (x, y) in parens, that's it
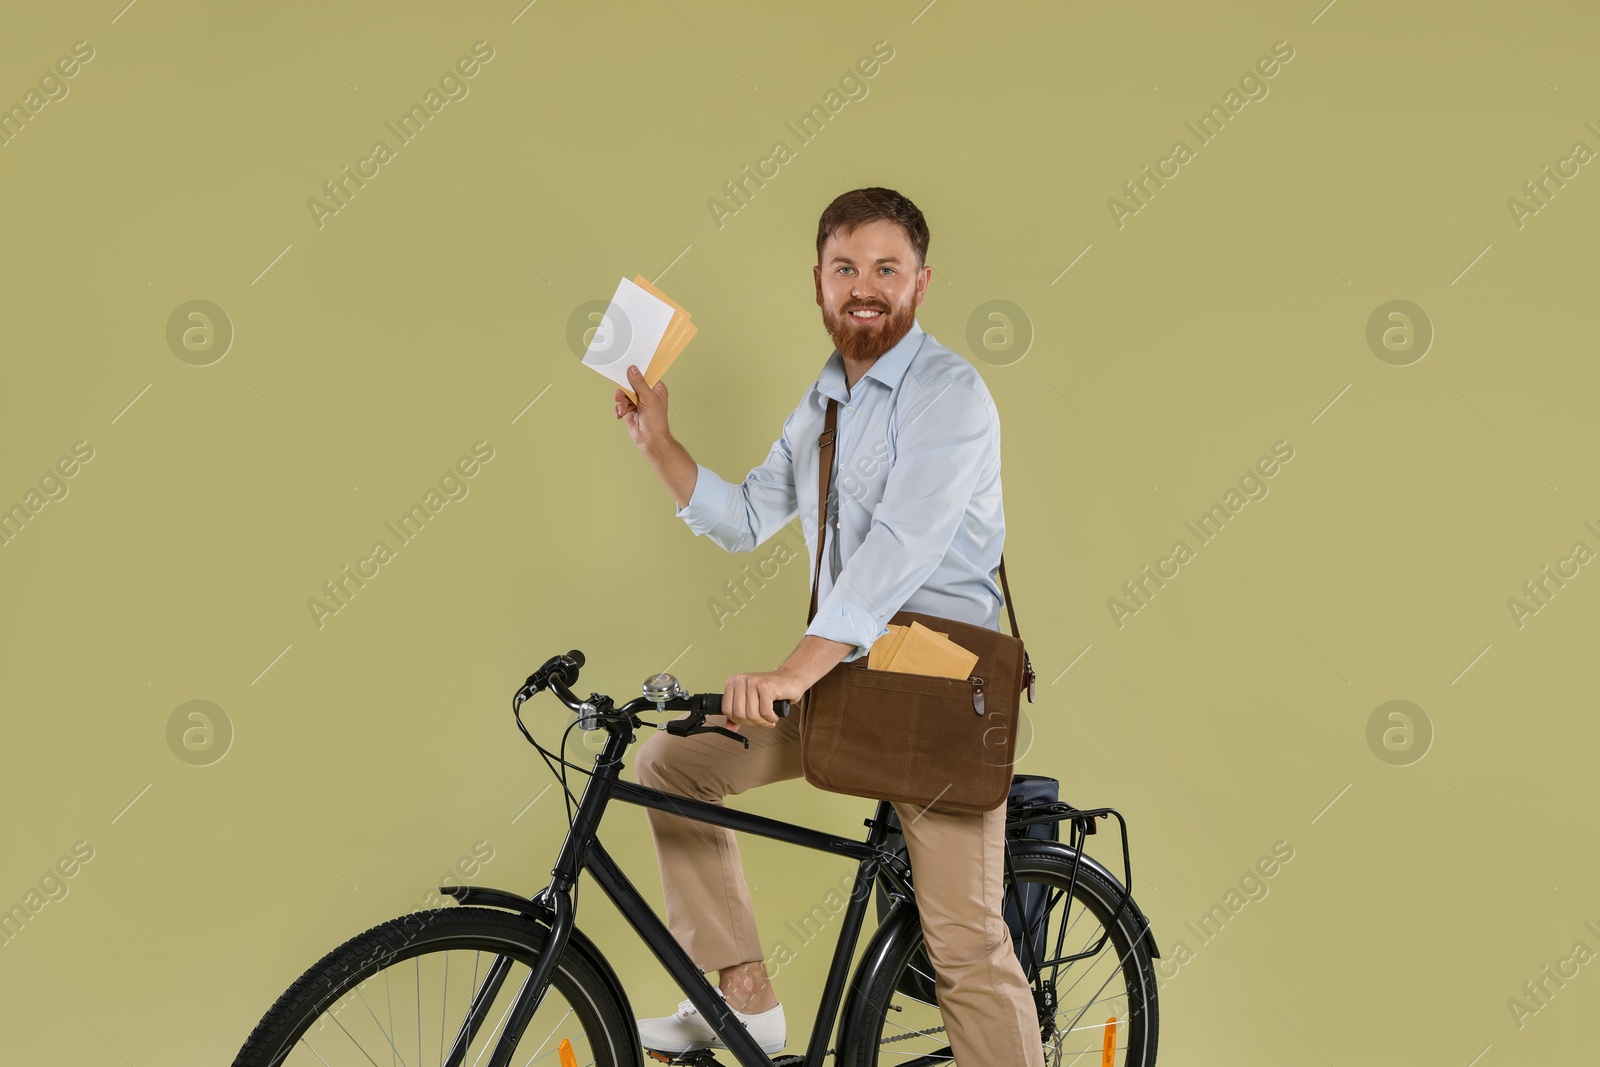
(700, 1057)
(789, 1061)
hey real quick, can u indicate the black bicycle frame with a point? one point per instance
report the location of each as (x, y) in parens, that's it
(582, 850)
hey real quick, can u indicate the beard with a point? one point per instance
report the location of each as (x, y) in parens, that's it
(866, 341)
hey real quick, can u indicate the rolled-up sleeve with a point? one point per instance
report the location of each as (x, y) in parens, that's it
(740, 517)
(949, 438)
(841, 619)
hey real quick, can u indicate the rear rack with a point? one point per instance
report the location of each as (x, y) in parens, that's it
(1021, 815)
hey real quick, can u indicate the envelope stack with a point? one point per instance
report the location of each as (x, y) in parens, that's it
(642, 327)
(915, 649)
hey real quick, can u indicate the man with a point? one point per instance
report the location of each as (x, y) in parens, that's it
(914, 522)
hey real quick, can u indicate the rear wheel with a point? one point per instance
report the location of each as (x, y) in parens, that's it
(1105, 998)
(401, 993)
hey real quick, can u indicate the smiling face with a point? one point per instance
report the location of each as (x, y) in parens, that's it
(869, 286)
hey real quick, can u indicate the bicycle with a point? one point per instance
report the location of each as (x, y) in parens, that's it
(556, 999)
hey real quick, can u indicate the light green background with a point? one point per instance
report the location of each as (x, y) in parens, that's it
(1228, 314)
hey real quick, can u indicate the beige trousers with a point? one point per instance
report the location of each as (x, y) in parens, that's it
(957, 865)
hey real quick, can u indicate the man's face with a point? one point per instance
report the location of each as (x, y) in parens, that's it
(873, 271)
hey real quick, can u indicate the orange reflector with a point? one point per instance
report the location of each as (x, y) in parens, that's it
(1108, 1048)
(568, 1058)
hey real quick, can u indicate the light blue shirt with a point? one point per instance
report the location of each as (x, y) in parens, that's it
(915, 520)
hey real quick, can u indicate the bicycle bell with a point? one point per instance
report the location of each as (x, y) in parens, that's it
(661, 688)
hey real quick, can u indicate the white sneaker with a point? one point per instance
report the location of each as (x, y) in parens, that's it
(688, 1030)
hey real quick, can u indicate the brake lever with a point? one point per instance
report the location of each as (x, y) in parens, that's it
(695, 724)
(741, 738)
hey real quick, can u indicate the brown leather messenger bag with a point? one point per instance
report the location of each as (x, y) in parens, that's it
(946, 744)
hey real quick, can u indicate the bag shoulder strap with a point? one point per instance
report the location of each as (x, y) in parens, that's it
(825, 445)
(824, 474)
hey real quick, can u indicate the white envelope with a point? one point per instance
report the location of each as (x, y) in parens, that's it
(629, 333)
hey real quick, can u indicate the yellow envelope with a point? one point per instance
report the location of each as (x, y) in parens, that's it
(909, 654)
(875, 650)
(925, 651)
(677, 334)
(882, 650)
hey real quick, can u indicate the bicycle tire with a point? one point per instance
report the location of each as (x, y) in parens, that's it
(1094, 891)
(606, 1020)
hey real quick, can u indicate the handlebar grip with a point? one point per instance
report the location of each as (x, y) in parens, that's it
(711, 704)
(566, 667)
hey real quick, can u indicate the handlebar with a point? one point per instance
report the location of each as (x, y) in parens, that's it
(560, 673)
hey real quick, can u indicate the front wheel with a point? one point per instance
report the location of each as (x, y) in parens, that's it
(1104, 1002)
(402, 993)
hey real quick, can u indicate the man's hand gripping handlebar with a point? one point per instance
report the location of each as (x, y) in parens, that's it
(661, 693)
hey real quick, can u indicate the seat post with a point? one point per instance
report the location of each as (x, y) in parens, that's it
(879, 826)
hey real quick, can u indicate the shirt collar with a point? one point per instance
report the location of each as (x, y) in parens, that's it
(888, 368)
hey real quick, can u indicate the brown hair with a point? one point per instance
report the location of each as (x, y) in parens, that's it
(860, 206)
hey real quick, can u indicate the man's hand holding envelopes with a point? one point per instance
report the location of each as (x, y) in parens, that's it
(641, 333)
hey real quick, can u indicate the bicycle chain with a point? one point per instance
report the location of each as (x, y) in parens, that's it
(910, 1035)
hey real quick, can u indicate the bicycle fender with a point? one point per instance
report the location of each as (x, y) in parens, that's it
(1066, 853)
(484, 896)
(899, 923)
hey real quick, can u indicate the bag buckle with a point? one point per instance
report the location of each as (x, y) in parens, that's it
(977, 693)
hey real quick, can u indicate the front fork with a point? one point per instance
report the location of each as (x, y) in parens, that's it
(557, 903)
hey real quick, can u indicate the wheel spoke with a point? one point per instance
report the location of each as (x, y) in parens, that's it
(353, 1041)
(393, 1052)
(1086, 971)
(444, 999)
(387, 999)
(1124, 961)
(548, 1037)
(909, 1032)
(314, 1052)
